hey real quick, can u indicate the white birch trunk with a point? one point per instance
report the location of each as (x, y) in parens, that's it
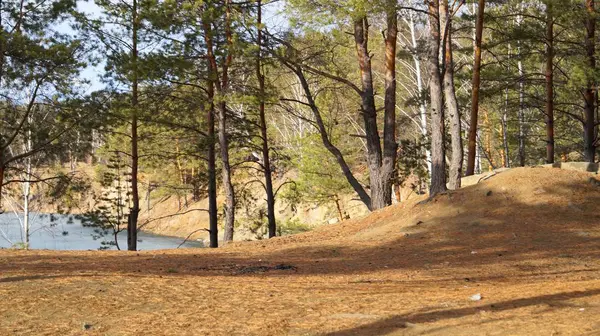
(422, 103)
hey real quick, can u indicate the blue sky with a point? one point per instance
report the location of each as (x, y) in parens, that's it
(92, 73)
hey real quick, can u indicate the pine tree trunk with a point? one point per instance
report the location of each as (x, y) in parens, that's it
(369, 113)
(472, 141)
(390, 147)
(221, 88)
(263, 129)
(213, 83)
(212, 171)
(226, 175)
(456, 160)
(549, 84)
(223, 136)
(135, 197)
(589, 149)
(438, 163)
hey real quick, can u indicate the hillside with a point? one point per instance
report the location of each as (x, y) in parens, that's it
(171, 217)
(181, 216)
(526, 240)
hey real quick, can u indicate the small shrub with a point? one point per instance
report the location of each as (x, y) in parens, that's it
(292, 226)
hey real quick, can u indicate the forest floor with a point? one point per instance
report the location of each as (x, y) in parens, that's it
(527, 240)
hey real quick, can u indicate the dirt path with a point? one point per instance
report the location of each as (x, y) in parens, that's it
(527, 240)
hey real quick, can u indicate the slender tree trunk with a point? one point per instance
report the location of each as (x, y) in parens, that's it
(222, 87)
(487, 139)
(212, 170)
(226, 176)
(422, 103)
(26, 197)
(135, 197)
(438, 162)
(478, 157)
(504, 124)
(472, 141)
(456, 159)
(178, 163)
(213, 81)
(339, 208)
(390, 147)
(223, 136)
(2, 53)
(2, 144)
(521, 113)
(398, 192)
(589, 93)
(549, 84)
(263, 128)
(369, 113)
(358, 188)
(27, 184)
(2, 170)
(116, 239)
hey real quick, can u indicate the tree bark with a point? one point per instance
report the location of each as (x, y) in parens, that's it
(339, 208)
(223, 136)
(26, 197)
(221, 86)
(213, 83)
(504, 124)
(589, 149)
(212, 173)
(390, 147)
(28, 146)
(456, 160)
(422, 104)
(504, 120)
(226, 176)
(263, 128)
(521, 113)
(135, 197)
(472, 139)
(438, 163)
(2, 144)
(549, 84)
(380, 176)
(369, 113)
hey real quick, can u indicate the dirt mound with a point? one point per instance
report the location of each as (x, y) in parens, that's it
(518, 202)
(516, 254)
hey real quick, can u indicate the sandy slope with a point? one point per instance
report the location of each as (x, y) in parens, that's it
(527, 240)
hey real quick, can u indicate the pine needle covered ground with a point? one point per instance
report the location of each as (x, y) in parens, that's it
(527, 240)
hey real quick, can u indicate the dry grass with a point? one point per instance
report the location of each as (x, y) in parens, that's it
(526, 239)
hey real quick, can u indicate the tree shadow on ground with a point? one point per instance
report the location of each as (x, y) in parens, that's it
(394, 323)
(470, 231)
